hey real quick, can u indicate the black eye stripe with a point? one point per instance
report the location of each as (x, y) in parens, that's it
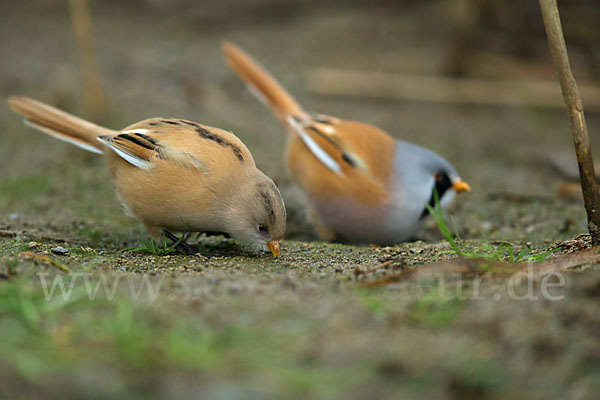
(442, 185)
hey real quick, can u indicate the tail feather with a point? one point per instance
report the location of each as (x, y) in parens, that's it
(262, 84)
(61, 125)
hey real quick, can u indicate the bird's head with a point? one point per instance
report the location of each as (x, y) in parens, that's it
(257, 214)
(427, 173)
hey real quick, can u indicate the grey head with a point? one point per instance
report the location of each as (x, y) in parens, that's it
(422, 172)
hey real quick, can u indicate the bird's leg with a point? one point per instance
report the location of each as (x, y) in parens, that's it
(183, 246)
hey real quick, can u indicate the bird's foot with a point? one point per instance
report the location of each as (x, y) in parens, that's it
(181, 244)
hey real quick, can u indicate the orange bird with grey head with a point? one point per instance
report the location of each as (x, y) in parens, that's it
(361, 184)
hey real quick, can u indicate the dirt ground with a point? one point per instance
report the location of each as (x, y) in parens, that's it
(227, 324)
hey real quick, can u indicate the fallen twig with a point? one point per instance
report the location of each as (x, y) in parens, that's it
(45, 259)
(396, 262)
(566, 261)
(479, 266)
(441, 89)
(7, 233)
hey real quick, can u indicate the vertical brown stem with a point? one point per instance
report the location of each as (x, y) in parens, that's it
(589, 185)
(82, 25)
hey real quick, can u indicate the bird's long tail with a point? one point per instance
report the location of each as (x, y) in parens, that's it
(60, 124)
(262, 84)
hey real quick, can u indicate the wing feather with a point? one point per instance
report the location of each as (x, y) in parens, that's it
(137, 152)
(314, 148)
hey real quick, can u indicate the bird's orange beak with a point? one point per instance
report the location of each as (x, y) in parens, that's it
(461, 186)
(274, 247)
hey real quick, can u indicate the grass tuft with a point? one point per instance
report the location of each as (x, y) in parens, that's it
(496, 251)
(150, 246)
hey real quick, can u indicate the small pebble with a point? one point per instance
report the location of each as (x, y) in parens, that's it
(33, 245)
(60, 251)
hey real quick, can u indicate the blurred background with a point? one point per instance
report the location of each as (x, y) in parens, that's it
(470, 79)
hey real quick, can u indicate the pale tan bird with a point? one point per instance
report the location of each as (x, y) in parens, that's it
(361, 184)
(176, 175)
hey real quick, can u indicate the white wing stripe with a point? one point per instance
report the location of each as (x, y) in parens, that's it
(133, 160)
(321, 154)
(140, 130)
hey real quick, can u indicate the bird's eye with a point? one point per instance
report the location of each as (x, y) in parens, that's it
(438, 176)
(261, 228)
